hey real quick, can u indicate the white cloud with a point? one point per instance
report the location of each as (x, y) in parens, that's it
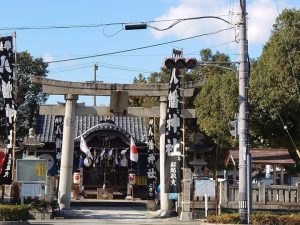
(192, 8)
(47, 57)
(261, 14)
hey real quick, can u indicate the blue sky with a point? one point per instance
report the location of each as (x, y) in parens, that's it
(57, 44)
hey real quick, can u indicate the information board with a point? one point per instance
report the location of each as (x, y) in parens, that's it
(32, 170)
(203, 187)
(31, 190)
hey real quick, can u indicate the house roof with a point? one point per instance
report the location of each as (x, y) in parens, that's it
(132, 125)
(263, 156)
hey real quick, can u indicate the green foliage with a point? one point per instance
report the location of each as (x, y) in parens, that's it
(14, 212)
(216, 104)
(42, 205)
(274, 94)
(224, 218)
(29, 95)
(260, 218)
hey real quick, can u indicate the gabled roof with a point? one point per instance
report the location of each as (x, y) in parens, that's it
(132, 125)
(263, 156)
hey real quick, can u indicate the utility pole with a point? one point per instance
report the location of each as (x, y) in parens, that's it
(243, 114)
(95, 80)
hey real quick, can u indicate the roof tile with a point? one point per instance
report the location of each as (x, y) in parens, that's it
(133, 125)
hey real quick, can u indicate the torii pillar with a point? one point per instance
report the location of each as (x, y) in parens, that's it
(164, 200)
(67, 152)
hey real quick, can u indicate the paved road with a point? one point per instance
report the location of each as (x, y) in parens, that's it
(112, 215)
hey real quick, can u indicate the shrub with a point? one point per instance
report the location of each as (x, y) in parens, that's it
(39, 205)
(14, 212)
(261, 218)
(224, 218)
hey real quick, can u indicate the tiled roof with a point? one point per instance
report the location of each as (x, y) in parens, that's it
(264, 156)
(134, 126)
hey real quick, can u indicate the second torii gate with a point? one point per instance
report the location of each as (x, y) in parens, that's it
(71, 90)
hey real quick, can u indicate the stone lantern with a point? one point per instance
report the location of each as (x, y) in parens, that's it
(31, 145)
(200, 155)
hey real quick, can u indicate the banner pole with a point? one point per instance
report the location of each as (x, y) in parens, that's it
(15, 119)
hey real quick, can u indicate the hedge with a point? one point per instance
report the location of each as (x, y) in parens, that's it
(257, 219)
(14, 212)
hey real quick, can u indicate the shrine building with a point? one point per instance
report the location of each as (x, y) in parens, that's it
(108, 138)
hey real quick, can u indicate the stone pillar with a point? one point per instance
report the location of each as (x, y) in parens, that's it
(261, 193)
(298, 192)
(274, 174)
(224, 194)
(281, 175)
(128, 197)
(234, 174)
(81, 188)
(186, 213)
(67, 153)
(164, 201)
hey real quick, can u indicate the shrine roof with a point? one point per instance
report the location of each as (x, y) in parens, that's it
(134, 126)
(263, 156)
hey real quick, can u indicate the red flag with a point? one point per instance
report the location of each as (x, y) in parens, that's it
(134, 156)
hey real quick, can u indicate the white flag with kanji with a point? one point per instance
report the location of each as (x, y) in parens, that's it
(134, 156)
(84, 147)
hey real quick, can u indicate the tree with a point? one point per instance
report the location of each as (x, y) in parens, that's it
(137, 101)
(216, 104)
(28, 95)
(217, 101)
(155, 78)
(274, 85)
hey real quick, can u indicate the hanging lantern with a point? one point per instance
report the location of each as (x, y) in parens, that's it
(132, 179)
(76, 178)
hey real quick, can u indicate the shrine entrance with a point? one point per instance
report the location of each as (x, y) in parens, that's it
(108, 167)
(119, 94)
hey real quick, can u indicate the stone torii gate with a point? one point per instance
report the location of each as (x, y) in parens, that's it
(118, 105)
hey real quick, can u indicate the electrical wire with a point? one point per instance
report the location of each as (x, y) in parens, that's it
(213, 46)
(102, 65)
(139, 48)
(191, 18)
(110, 24)
(286, 129)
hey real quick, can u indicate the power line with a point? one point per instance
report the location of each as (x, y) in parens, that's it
(102, 65)
(286, 129)
(74, 26)
(139, 48)
(213, 46)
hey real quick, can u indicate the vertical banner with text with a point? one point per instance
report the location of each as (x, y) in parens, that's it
(172, 138)
(58, 134)
(7, 81)
(151, 170)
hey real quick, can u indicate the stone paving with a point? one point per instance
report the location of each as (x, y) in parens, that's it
(112, 215)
